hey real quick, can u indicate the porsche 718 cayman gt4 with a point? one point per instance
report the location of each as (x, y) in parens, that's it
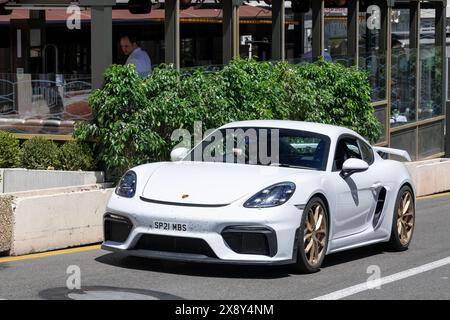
(264, 192)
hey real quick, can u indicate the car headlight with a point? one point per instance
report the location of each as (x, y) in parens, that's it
(127, 185)
(272, 196)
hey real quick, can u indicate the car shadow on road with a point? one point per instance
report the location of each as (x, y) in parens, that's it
(230, 271)
(352, 255)
(195, 269)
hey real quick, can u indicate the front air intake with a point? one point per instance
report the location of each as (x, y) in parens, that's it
(251, 240)
(116, 228)
(173, 244)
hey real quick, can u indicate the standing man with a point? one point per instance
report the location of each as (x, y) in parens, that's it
(136, 55)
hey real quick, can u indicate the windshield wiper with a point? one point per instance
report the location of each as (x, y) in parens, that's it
(284, 165)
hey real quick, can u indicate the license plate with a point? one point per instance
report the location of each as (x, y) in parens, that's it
(170, 226)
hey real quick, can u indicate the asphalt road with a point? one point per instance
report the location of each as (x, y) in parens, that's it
(422, 272)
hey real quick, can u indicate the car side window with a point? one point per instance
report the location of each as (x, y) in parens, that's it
(346, 148)
(367, 152)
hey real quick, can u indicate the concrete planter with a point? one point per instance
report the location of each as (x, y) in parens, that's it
(430, 176)
(6, 214)
(40, 221)
(17, 180)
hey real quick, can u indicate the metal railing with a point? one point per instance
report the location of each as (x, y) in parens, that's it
(33, 103)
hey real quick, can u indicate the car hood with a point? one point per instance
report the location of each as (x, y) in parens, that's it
(212, 183)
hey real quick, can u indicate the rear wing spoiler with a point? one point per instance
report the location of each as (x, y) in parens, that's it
(390, 151)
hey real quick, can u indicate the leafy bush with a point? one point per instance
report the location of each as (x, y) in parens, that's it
(76, 156)
(124, 120)
(9, 150)
(135, 117)
(254, 90)
(40, 154)
(336, 95)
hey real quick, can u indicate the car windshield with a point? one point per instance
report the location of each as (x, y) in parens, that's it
(264, 147)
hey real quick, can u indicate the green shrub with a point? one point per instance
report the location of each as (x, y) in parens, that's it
(331, 93)
(76, 156)
(254, 90)
(135, 116)
(40, 154)
(9, 150)
(123, 130)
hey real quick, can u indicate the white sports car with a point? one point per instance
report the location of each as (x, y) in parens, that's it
(322, 189)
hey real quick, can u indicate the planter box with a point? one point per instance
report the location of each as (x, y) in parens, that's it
(40, 221)
(430, 176)
(6, 214)
(18, 180)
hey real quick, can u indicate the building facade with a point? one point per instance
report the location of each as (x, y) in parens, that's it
(53, 53)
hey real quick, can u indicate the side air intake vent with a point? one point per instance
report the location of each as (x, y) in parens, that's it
(380, 206)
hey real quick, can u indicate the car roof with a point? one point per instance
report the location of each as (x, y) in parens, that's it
(326, 129)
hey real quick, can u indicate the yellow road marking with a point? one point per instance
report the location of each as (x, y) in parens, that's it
(434, 196)
(48, 254)
(97, 247)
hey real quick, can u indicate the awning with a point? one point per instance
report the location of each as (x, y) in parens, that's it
(157, 15)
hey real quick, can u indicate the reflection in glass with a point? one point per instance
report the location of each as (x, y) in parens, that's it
(372, 56)
(43, 103)
(430, 80)
(381, 114)
(430, 68)
(403, 80)
(431, 139)
(403, 96)
(336, 35)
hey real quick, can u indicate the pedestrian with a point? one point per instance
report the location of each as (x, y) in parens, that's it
(136, 55)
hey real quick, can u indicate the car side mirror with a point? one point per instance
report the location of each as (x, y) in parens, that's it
(352, 166)
(179, 154)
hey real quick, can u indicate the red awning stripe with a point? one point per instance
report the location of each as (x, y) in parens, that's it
(56, 15)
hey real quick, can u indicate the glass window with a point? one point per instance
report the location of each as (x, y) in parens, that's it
(372, 48)
(448, 73)
(298, 33)
(403, 96)
(346, 148)
(431, 139)
(335, 31)
(405, 140)
(430, 68)
(381, 114)
(366, 152)
(265, 146)
(44, 103)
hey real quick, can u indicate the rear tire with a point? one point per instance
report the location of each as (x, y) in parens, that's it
(403, 220)
(312, 242)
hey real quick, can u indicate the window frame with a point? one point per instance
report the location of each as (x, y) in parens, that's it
(343, 137)
(372, 158)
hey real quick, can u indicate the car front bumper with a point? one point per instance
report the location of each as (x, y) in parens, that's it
(231, 234)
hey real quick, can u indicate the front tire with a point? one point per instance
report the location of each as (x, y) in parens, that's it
(313, 237)
(403, 220)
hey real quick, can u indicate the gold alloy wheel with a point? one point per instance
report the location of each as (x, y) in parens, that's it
(405, 218)
(315, 234)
